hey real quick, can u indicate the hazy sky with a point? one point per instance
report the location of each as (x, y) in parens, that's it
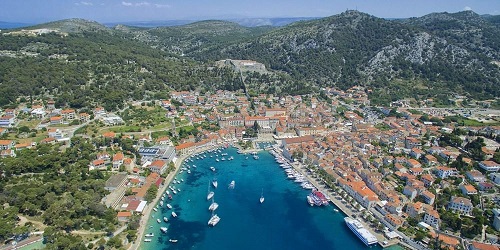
(152, 10)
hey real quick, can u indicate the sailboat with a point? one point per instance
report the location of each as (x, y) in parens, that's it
(214, 183)
(262, 196)
(213, 220)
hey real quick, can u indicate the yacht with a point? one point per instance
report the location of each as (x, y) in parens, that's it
(158, 220)
(149, 235)
(174, 214)
(213, 220)
(156, 209)
(212, 168)
(161, 203)
(214, 183)
(210, 195)
(231, 185)
(169, 206)
(255, 157)
(216, 159)
(163, 229)
(360, 231)
(173, 241)
(165, 219)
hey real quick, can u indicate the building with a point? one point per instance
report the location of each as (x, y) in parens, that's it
(428, 197)
(468, 189)
(431, 217)
(482, 246)
(489, 166)
(68, 114)
(8, 121)
(7, 144)
(118, 160)
(158, 166)
(56, 120)
(116, 181)
(475, 176)
(444, 172)
(460, 205)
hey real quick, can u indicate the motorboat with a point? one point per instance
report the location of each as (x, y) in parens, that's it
(163, 229)
(158, 220)
(210, 195)
(174, 214)
(214, 183)
(169, 206)
(165, 219)
(232, 184)
(262, 196)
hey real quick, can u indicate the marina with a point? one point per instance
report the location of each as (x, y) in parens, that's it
(242, 213)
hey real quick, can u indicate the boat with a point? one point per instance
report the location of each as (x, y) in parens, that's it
(147, 240)
(336, 210)
(212, 168)
(310, 200)
(214, 183)
(165, 219)
(158, 220)
(163, 229)
(213, 220)
(262, 196)
(359, 230)
(174, 214)
(231, 185)
(210, 195)
(173, 241)
(169, 206)
(255, 157)
(213, 206)
(216, 159)
(149, 235)
(156, 209)
(161, 203)
(317, 198)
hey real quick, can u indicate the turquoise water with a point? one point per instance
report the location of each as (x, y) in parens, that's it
(283, 221)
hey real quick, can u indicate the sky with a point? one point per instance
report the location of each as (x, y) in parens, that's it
(37, 11)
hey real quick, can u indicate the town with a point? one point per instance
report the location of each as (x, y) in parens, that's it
(414, 174)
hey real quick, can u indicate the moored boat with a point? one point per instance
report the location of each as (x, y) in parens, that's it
(232, 184)
(163, 229)
(174, 214)
(360, 231)
(210, 195)
(165, 219)
(214, 183)
(213, 220)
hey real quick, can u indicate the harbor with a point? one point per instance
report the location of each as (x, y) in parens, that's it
(240, 210)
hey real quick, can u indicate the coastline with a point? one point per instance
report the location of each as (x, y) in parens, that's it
(147, 212)
(341, 206)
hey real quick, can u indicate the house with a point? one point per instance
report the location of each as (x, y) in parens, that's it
(165, 140)
(468, 189)
(486, 186)
(7, 153)
(118, 160)
(482, 246)
(460, 205)
(430, 160)
(428, 197)
(410, 192)
(124, 216)
(68, 114)
(99, 111)
(475, 176)
(7, 144)
(56, 120)
(158, 166)
(8, 121)
(431, 217)
(395, 220)
(444, 172)
(3, 131)
(51, 104)
(495, 177)
(84, 117)
(55, 133)
(427, 179)
(411, 142)
(489, 166)
(416, 153)
(38, 112)
(98, 164)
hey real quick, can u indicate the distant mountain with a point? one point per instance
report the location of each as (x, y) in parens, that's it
(439, 53)
(434, 56)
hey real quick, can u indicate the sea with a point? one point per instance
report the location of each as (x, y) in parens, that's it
(283, 221)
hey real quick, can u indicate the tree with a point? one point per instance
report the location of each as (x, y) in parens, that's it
(151, 193)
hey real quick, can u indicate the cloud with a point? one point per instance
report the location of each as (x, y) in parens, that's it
(162, 5)
(467, 8)
(84, 3)
(144, 4)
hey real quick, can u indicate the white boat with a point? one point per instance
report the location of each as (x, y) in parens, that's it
(161, 203)
(169, 206)
(165, 219)
(149, 235)
(359, 230)
(175, 192)
(214, 183)
(158, 220)
(336, 210)
(216, 159)
(213, 206)
(178, 190)
(212, 168)
(210, 195)
(163, 229)
(213, 220)
(231, 185)
(255, 157)
(173, 241)
(168, 193)
(174, 214)
(156, 209)
(223, 159)
(262, 196)
(147, 240)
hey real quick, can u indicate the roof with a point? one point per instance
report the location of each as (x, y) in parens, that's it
(124, 214)
(5, 142)
(116, 180)
(482, 246)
